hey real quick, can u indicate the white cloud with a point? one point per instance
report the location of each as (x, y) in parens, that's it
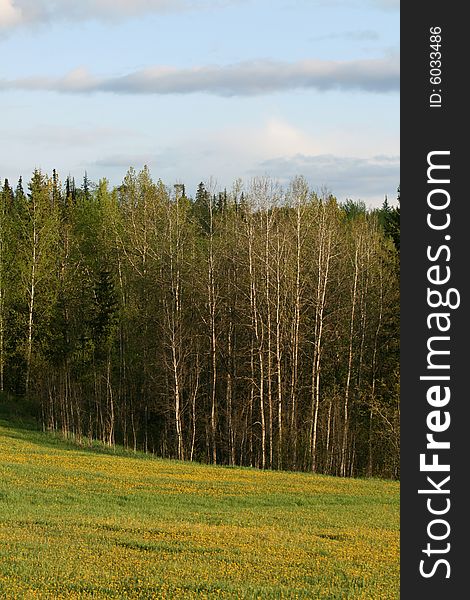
(250, 78)
(379, 4)
(275, 148)
(358, 178)
(10, 15)
(282, 151)
(250, 145)
(386, 4)
(27, 12)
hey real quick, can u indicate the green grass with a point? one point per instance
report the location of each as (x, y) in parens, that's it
(85, 523)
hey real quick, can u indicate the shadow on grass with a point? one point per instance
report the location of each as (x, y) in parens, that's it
(29, 430)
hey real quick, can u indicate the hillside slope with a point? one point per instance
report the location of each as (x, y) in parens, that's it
(77, 523)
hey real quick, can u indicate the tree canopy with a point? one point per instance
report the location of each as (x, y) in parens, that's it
(254, 326)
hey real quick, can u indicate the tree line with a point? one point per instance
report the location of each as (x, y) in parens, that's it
(257, 326)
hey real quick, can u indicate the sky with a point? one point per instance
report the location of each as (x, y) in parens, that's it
(203, 89)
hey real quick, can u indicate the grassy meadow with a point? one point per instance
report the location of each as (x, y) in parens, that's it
(85, 523)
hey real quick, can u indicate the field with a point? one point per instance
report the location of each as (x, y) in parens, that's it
(85, 523)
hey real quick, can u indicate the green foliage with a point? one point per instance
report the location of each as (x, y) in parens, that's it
(201, 207)
(353, 209)
(104, 309)
(257, 326)
(389, 218)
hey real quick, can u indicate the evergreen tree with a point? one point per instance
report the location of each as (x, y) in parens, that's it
(257, 327)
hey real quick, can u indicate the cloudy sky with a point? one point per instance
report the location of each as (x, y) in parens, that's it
(203, 88)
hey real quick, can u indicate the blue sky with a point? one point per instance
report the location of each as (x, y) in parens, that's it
(199, 89)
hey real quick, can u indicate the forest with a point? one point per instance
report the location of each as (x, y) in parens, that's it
(256, 327)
